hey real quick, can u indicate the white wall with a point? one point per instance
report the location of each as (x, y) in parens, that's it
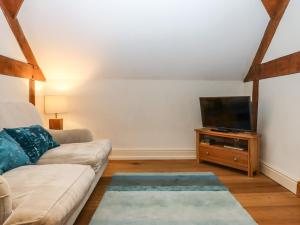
(279, 112)
(140, 114)
(286, 39)
(279, 109)
(11, 89)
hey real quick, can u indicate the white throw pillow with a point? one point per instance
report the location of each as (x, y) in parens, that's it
(5, 200)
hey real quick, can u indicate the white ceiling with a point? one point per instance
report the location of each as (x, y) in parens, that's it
(145, 39)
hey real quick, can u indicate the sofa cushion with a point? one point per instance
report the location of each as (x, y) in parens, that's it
(93, 153)
(11, 153)
(34, 140)
(5, 200)
(47, 194)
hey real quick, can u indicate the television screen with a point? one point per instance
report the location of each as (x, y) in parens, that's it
(232, 113)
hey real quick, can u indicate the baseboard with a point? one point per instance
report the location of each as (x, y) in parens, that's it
(151, 154)
(280, 178)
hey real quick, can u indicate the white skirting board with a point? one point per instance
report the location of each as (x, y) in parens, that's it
(279, 177)
(151, 154)
(188, 153)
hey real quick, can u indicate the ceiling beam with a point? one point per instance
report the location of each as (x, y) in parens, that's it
(286, 65)
(21, 39)
(277, 13)
(13, 6)
(270, 6)
(16, 68)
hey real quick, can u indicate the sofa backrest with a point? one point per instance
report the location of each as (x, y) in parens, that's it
(18, 114)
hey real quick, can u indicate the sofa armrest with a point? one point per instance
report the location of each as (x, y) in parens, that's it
(5, 200)
(71, 136)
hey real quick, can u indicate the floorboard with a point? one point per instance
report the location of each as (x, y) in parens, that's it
(265, 200)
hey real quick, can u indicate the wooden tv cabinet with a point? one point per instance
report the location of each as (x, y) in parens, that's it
(237, 150)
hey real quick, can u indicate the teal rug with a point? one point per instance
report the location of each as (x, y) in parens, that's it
(169, 199)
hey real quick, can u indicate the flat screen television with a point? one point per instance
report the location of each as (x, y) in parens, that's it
(227, 114)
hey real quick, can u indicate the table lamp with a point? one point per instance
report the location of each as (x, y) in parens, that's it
(56, 104)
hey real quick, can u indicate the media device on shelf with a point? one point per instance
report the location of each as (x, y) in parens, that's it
(226, 114)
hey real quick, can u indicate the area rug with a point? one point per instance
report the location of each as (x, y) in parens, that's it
(169, 199)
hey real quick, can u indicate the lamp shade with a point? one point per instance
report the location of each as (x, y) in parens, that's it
(56, 104)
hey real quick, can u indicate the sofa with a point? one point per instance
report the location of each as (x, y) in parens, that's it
(54, 190)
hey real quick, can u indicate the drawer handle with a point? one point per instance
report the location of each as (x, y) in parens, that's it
(207, 153)
(235, 158)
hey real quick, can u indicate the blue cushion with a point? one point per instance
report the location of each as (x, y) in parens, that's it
(11, 153)
(34, 140)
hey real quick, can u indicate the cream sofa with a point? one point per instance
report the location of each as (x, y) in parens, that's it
(54, 191)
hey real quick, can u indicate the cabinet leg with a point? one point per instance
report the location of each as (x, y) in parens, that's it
(250, 173)
(258, 169)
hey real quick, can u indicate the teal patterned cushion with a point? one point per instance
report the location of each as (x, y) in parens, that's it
(34, 140)
(11, 153)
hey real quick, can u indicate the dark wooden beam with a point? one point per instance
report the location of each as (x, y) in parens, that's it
(271, 6)
(21, 39)
(16, 68)
(255, 96)
(286, 65)
(13, 6)
(277, 12)
(32, 91)
(275, 9)
(12, 67)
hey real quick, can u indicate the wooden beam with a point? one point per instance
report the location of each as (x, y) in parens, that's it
(286, 65)
(21, 39)
(32, 91)
(13, 6)
(278, 12)
(275, 9)
(15, 68)
(255, 96)
(271, 6)
(12, 67)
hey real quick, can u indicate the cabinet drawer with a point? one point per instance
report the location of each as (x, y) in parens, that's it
(225, 157)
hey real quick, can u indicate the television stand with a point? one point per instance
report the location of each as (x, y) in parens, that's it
(235, 150)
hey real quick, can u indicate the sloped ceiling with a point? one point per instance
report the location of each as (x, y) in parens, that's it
(145, 39)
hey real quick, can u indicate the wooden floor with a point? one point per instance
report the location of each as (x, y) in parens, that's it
(266, 201)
